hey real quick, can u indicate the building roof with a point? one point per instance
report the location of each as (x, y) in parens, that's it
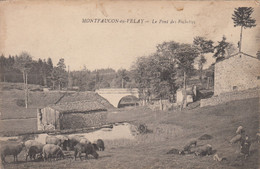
(236, 55)
(78, 107)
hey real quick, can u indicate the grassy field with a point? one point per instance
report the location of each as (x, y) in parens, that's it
(172, 129)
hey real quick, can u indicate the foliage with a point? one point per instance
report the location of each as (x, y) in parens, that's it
(221, 48)
(23, 62)
(242, 17)
(203, 46)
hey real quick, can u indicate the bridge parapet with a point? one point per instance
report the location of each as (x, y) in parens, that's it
(129, 91)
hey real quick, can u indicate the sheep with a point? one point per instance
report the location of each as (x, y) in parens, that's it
(51, 150)
(84, 148)
(11, 148)
(31, 152)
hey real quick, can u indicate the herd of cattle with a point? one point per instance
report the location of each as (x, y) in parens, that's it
(54, 147)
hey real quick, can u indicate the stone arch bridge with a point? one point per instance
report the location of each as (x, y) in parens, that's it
(114, 95)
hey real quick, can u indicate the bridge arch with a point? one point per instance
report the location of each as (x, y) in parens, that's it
(114, 95)
(127, 100)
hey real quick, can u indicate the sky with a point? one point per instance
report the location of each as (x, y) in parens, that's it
(54, 29)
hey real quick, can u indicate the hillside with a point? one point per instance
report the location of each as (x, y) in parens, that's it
(173, 129)
(12, 100)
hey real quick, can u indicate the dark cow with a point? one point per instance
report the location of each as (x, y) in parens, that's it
(52, 151)
(85, 148)
(10, 148)
(100, 145)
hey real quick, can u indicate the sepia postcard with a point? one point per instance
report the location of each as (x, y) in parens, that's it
(122, 84)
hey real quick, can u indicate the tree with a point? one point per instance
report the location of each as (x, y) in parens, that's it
(142, 76)
(23, 63)
(122, 73)
(258, 54)
(203, 46)
(242, 17)
(183, 56)
(221, 49)
(59, 74)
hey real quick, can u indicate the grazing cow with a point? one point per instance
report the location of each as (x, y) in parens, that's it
(53, 140)
(32, 152)
(10, 148)
(204, 150)
(52, 151)
(84, 148)
(100, 145)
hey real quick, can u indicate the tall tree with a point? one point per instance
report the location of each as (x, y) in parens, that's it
(203, 46)
(59, 74)
(122, 73)
(23, 63)
(49, 70)
(242, 17)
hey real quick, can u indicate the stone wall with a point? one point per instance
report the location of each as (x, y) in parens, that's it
(237, 73)
(226, 97)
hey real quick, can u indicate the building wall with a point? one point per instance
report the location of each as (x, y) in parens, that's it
(237, 73)
(50, 119)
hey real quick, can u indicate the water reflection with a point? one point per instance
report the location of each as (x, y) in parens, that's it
(119, 131)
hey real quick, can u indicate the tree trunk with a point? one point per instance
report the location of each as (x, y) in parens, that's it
(122, 83)
(26, 91)
(200, 72)
(53, 85)
(59, 85)
(161, 105)
(184, 80)
(240, 43)
(24, 88)
(44, 80)
(184, 100)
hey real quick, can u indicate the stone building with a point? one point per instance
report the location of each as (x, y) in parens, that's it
(71, 115)
(237, 73)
